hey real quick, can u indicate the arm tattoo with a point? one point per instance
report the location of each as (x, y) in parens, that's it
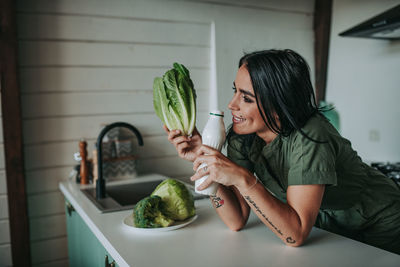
(289, 239)
(217, 201)
(262, 214)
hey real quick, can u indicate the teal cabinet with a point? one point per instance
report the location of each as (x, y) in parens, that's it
(84, 249)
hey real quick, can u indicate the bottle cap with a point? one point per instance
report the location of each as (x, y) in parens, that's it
(217, 113)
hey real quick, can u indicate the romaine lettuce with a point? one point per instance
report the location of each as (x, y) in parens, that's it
(174, 99)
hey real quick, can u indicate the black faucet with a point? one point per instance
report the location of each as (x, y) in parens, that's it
(100, 183)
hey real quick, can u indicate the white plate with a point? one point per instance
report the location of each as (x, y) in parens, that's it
(128, 221)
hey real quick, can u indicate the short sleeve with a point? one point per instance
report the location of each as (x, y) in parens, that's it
(238, 153)
(311, 162)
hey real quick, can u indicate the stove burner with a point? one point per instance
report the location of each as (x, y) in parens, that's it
(386, 168)
(391, 170)
(394, 175)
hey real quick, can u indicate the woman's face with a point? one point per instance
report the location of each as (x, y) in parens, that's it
(246, 117)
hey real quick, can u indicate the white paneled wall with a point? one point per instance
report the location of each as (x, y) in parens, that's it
(83, 64)
(79, 72)
(5, 247)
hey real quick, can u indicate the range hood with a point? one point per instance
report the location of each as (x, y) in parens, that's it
(383, 26)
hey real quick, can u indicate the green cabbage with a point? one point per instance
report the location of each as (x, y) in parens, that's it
(149, 213)
(174, 99)
(179, 203)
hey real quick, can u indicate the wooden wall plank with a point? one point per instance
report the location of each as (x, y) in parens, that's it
(61, 153)
(35, 80)
(73, 104)
(77, 27)
(4, 232)
(5, 255)
(172, 166)
(44, 53)
(3, 207)
(49, 250)
(3, 184)
(45, 180)
(89, 127)
(285, 5)
(45, 204)
(2, 159)
(189, 11)
(48, 227)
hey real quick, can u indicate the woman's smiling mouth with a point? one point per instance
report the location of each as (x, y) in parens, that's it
(236, 119)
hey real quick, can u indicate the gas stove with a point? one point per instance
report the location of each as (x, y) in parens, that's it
(391, 170)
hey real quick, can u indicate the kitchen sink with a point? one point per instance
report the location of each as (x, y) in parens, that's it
(124, 196)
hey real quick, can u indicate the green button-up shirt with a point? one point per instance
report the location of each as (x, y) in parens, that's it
(354, 191)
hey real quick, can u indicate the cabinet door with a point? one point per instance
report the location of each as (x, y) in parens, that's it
(73, 225)
(84, 249)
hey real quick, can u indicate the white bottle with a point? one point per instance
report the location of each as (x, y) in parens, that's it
(213, 136)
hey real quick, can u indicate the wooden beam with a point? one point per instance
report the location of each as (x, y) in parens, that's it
(12, 132)
(322, 31)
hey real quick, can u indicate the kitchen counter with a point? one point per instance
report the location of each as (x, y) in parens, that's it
(208, 242)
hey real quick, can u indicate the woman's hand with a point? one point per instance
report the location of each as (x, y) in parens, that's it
(220, 169)
(185, 145)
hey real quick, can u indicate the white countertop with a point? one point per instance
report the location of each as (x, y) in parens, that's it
(208, 242)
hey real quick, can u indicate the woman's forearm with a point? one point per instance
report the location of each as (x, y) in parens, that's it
(291, 221)
(232, 210)
(280, 217)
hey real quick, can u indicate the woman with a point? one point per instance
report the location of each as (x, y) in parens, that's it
(288, 164)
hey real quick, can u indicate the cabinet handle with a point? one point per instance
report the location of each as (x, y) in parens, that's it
(70, 208)
(106, 264)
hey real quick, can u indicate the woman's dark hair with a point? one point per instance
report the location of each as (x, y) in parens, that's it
(283, 89)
